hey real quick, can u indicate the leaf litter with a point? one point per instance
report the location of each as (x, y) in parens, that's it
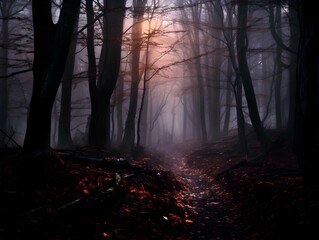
(174, 196)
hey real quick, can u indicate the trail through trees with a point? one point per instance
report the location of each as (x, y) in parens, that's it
(211, 213)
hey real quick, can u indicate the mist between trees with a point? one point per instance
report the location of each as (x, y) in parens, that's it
(147, 73)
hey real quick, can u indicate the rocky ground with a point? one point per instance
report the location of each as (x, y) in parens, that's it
(190, 192)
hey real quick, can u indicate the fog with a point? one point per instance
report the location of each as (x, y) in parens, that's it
(188, 68)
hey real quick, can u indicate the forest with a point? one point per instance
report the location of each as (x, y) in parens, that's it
(157, 119)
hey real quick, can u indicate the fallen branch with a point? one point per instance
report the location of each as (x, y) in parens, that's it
(69, 204)
(108, 162)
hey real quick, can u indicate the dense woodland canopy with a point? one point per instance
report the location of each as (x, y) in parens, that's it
(134, 74)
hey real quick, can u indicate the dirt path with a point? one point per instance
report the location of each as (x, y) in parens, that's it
(211, 214)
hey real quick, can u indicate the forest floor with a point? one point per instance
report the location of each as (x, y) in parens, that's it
(203, 192)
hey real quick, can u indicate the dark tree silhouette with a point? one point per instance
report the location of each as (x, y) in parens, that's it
(215, 19)
(237, 84)
(275, 27)
(293, 45)
(64, 137)
(51, 47)
(245, 73)
(307, 110)
(119, 91)
(4, 69)
(102, 85)
(137, 40)
(192, 21)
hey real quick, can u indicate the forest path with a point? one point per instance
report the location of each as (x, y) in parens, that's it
(211, 213)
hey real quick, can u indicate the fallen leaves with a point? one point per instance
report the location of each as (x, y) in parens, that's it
(105, 235)
(149, 203)
(139, 190)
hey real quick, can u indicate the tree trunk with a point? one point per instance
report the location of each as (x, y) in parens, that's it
(150, 125)
(185, 119)
(245, 74)
(307, 112)
(215, 124)
(199, 74)
(51, 47)
(101, 89)
(119, 109)
(228, 97)
(143, 115)
(293, 45)
(64, 137)
(279, 71)
(237, 85)
(215, 85)
(238, 91)
(145, 120)
(4, 72)
(92, 74)
(275, 25)
(201, 102)
(129, 132)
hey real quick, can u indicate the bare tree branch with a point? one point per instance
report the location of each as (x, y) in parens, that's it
(16, 73)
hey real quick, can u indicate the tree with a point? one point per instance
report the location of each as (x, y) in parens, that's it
(237, 84)
(307, 111)
(119, 108)
(137, 40)
(194, 38)
(9, 12)
(242, 44)
(214, 76)
(102, 85)
(51, 47)
(275, 26)
(64, 137)
(293, 45)
(275, 23)
(145, 76)
(4, 67)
